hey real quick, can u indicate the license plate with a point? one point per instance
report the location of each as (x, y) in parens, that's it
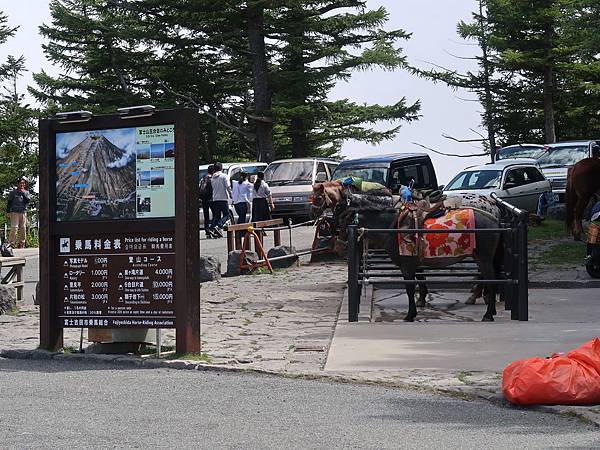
(282, 199)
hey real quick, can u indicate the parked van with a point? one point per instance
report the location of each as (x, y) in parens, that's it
(557, 159)
(392, 170)
(291, 182)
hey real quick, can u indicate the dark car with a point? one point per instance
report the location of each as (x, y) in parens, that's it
(393, 170)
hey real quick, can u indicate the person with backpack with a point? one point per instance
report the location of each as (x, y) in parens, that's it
(206, 194)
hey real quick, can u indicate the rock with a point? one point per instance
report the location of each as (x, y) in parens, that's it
(8, 298)
(210, 269)
(556, 212)
(324, 242)
(282, 250)
(36, 299)
(233, 262)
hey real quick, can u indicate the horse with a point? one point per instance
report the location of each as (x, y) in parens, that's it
(488, 251)
(329, 194)
(583, 181)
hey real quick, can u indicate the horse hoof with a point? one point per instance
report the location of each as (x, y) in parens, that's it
(421, 303)
(409, 318)
(487, 319)
(470, 301)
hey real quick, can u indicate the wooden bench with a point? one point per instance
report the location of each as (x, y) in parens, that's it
(14, 277)
(234, 233)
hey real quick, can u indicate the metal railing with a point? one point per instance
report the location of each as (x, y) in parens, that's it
(369, 267)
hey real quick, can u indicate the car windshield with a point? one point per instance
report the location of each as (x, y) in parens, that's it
(292, 172)
(476, 179)
(563, 156)
(522, 151)
(372, 174)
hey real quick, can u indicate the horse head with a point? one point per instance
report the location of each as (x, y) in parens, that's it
(326, 195)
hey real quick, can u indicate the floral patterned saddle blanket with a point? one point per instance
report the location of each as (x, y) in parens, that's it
(441, 245)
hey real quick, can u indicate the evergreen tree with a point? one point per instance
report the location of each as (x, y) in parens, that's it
(18, 128)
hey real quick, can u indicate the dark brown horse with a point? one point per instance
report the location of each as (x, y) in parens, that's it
(583, 181)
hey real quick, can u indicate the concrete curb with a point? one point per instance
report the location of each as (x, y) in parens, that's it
(137, 362)
(564, 284)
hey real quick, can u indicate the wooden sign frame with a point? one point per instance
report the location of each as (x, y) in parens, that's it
(185, 224)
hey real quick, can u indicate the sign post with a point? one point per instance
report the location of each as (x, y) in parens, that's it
(119, 241)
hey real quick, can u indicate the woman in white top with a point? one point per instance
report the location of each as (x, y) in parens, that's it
(242, 197)
(261, 199)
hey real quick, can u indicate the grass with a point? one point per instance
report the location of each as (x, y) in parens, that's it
(203, 357)
(462, 377)
(548, 230)
(151, 349)
(565, 253)
(14, 311)
(69, 349)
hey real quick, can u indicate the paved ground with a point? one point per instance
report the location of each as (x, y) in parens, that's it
(97, 406)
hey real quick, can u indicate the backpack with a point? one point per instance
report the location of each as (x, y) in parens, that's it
(206, 190)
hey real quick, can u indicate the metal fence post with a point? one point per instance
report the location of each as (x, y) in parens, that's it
(523, 268)
(353, 269)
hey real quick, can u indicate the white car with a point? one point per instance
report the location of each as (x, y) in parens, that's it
(232, 170)
(517, 181)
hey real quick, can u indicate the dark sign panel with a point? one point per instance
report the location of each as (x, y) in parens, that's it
(117, 280)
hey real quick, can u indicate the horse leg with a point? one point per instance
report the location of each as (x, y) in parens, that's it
(423, 291)
(489, 273)
(408, 272)
(579, 208)
(476, 292)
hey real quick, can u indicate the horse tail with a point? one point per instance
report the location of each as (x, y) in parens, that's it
(570, 200)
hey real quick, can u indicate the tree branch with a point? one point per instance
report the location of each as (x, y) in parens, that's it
(449, 154)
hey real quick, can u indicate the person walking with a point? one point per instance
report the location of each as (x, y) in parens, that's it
(220, 200)
(242, 197)
(261, 199)
(16, 209)
(206, 199)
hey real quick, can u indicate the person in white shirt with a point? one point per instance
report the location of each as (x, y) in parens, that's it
(221, 193)
(242, 197)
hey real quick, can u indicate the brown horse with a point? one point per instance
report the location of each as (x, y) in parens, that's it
(583, 181)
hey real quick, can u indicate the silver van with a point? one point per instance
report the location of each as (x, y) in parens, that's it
(291, 182)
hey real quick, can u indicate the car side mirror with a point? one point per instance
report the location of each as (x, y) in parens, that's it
(321, 177)
(441, 187)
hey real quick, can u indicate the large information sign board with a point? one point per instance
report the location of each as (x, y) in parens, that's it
(124, 280)
(119, 225)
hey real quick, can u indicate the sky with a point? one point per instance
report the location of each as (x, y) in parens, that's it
(434, 39)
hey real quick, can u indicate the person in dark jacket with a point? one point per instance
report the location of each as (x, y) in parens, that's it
(206, 200)
(16, 209)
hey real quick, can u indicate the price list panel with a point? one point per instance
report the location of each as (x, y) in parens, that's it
(117, 281)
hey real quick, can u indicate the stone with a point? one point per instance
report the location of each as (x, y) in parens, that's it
(210, 269)
(8, 299)
(282, 250)
(233, 262)
(36, 300)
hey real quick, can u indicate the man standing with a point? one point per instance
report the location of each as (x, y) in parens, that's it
(221, 195)
(17, 213)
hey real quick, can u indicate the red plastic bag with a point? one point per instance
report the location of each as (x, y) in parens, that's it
(573, 379)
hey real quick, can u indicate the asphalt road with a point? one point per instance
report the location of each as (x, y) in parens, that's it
(78, 405)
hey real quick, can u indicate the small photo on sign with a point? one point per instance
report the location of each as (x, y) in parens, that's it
(143, 152)
(65, 245)
(157, 178)
(157, 151)
(144, 178)
(170, 150)
(144, 205)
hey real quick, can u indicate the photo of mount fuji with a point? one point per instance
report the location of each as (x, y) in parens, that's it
(96, 175)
